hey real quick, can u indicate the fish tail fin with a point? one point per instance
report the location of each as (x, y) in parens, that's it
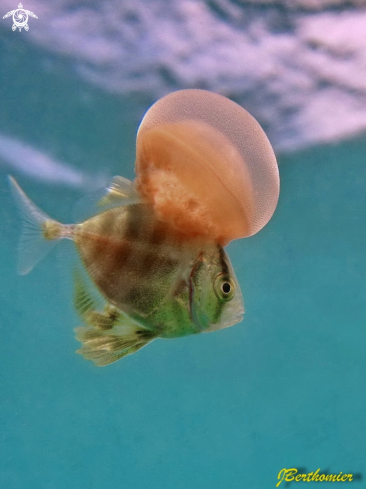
(108, 334)
(39, 232)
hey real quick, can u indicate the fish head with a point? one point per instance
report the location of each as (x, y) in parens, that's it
(216, 301)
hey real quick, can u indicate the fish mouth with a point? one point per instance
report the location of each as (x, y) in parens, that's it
(233, 314)
(235, 311)
(238, 317)
(234, 319)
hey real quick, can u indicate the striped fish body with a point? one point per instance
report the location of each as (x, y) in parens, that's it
(138, 263)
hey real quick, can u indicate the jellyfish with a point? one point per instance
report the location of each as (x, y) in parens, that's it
(206, 166)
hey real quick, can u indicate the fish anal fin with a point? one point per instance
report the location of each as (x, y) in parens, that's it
(108, 334)
(87, 301)
(84, 302)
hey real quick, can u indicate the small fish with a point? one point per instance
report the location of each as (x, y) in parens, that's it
(155, 282)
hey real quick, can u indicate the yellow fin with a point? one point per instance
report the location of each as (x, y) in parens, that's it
(39, 232)
(120, 191)
(105, 347)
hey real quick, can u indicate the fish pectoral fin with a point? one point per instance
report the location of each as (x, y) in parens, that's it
(105, 347)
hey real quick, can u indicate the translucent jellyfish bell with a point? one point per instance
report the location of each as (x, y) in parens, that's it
(207, 166)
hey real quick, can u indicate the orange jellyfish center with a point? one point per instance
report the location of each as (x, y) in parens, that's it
(196, 180)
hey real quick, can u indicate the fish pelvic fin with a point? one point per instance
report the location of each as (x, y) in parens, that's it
(108, 334)
(104, 347)
(39, 232)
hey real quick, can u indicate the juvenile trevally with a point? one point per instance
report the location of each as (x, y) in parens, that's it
(156, 283)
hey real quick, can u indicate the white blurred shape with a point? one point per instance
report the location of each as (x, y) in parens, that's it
(21, 158)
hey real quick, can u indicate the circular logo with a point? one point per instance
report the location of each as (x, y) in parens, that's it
(20, 19)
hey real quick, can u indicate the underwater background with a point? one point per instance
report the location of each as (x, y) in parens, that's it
(284, 388)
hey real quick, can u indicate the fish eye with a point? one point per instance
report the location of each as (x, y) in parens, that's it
(224, 287)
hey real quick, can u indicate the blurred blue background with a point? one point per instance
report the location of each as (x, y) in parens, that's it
(286, 387)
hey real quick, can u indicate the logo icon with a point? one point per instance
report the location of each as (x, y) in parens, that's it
(20, 17)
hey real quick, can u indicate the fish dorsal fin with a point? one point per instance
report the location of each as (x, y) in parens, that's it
(119, 192)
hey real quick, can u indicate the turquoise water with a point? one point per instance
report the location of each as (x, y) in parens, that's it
(285, 388)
